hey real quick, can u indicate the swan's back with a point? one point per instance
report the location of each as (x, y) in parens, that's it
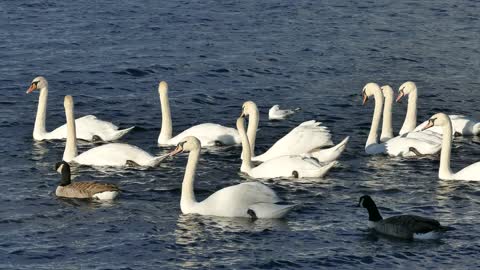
(87, 127)
(471, 173)
(209, 134)
(234, 201)
(114, 154)
(288, 166)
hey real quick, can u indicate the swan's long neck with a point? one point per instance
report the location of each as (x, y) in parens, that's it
(411, 117)
(39, 129)
(445, 171)
(188, 200)
(71, 144)
(253, 119)
(377, 114)
(387, 130)
(246, 153)
(166, 130)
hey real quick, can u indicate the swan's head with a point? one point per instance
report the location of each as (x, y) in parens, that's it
(366, 202)
(162, 87)
(405, 89)
(37, 83)
(439, 119)
(188, 144)
(275, 108)
(387, 91)
(369, 90)
(248, 107)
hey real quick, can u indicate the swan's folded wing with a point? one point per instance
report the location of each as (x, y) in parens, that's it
(95, 124)
(304, 138)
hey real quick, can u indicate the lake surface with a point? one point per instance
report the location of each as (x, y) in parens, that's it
(317, 55)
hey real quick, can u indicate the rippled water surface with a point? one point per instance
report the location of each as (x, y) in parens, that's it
(110, 55)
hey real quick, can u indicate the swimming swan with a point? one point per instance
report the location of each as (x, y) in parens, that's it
(89, 127)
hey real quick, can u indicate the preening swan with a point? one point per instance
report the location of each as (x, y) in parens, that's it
(294, 166)
(275, 113)
(397, 146)
(251, 199)
(89, 128)
(402, 226)
(387, 129)
(209, 134)
(461, 125)
(83, 190)
(471, 172)
(306, 139)
(112, 154)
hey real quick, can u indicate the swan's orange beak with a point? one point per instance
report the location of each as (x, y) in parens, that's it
(400, 95)
(177, 150)
(32, 87)
(365, 99)
(429, 125)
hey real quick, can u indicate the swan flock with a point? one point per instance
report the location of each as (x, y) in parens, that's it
(306, 151)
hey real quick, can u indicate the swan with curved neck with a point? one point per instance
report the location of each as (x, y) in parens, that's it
(294, 166)
(445, 172)
(461, 125)
(89, 128)
(250, 200)
(397, 146)
(209, 134)
(387, 129)
(306, 139)
(112, 154)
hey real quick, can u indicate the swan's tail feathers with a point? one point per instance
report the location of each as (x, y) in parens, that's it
(270, 210)
(120, 133)
(321, 172)
(476, 129)
(332, 153)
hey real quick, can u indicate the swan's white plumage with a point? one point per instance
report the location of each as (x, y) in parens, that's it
(116, 155)
(209, 134)
(304, 138)
(87, 126)
(470, 173)
(461, 124)
(397, 146)
(112, 154)
(233, 201)
(283, 166)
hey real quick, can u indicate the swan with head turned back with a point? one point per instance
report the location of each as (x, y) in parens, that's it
(387, 130)
(306, 139)
(461, 125)
(471, 173)
(112, 154)
(397, 146)
(294, 166)
(209, 134)
(89, 127)
(251, 199)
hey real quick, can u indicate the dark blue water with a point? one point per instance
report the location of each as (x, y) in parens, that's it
(110, 55)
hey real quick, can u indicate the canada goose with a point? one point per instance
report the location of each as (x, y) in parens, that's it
(83, 190)
(403, 226)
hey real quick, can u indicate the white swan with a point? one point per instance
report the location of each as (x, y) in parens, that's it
(89, 128)
(397, 146)
(275, 113)
(387, 129)
(209, 134)
(251, 199)
(471, 172)
(461, 125)
(295, 166)
(112, 154)
(306, 139)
